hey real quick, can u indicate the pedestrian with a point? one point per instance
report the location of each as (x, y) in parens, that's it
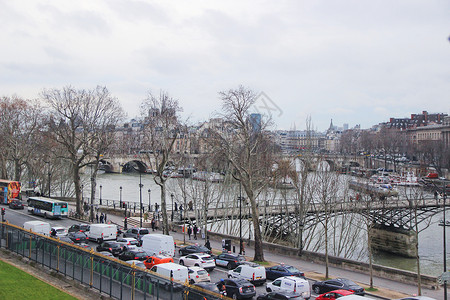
(105, 217)
(181, 207)
(190, 205)
(153, 224)
(195, 231)
(156, 207)
(189, 231)
(208, 244)
(435, 195)
(101, 218)
(96, 217)
(176, 206)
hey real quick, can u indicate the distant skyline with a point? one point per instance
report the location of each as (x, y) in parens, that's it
(353, 61)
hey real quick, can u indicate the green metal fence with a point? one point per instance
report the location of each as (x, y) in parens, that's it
(108, 275)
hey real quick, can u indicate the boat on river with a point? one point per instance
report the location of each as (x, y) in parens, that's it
(379, 190)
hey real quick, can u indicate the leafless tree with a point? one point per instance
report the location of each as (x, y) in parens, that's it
(76, 116)
(244, 143)
(161, 131)
(20, 123)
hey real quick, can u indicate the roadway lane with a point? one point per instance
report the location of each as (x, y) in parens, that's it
(18, 217)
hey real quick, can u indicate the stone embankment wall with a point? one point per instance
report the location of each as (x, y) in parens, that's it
(378, 270)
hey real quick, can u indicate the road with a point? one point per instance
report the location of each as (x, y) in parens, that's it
(18, 217)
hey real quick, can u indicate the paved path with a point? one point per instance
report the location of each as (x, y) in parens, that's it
(387, 288)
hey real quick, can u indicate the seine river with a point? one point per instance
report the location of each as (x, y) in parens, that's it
(430, 239)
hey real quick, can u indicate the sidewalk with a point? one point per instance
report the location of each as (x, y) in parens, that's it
(387, 288)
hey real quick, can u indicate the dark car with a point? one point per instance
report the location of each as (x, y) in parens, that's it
(16, 204)
(281, 270)
(229, 260)
(194, 249)
(237, 288)
(78, 237)
(202, 291)
(280, 296)
(134, 254)
(66, 239)
(79, 227)
(320, 287)
(113, 247)
(136, 233)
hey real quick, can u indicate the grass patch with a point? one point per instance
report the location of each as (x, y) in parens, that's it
(369, 289)
(17, 284)
(262, 263)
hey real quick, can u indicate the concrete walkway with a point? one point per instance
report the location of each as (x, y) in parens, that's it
(387, 288)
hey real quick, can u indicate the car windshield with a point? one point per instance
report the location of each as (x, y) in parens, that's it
(60, 230)
(140, 254)
(207, 258)
(144, 231)
(292, 269)
(202, 272)
(241, 258)
(114, 245)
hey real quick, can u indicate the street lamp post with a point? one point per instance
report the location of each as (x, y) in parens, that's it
(140, 198)
(171, 195)
(120, 197)
(100, 194)
(149, 200)
(444, 224)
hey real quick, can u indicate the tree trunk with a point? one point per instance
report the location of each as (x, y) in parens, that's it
(162, 185)
(76, 181)
(259, 251)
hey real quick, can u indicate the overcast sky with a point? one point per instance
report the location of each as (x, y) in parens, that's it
(356, 62)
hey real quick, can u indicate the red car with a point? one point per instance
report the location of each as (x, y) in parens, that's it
(336, 294)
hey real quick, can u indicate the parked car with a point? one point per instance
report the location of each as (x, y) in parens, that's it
(334, 295)
(193, 249)
(137, 263)
(16, 204)
(280, 296)
(229, 260)
(128, 243)
(320, 287)
(197, 274)
(79, 227)
(113, 247)
(157, 259)
(252, 272)
(198, 260)
(237, 288)
(106, 253)
(136, 233)
(78, 237)
(133, 254)
(58, 231)
(66, 239)
(202, 291)
(290, 284)
(281, 270)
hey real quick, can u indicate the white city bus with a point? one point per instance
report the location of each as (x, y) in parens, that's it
(48, 207)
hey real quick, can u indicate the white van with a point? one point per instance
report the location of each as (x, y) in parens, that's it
(293, 284)
(171, 270)
(157, 243)
(252, 272)
(102, 232)
(38, 227)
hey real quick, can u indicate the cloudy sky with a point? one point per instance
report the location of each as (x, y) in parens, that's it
(353, 61)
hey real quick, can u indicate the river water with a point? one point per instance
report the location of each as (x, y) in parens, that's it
(430, 239)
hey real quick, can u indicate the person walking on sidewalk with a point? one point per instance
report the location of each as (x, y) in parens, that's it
(153, 224)
(195, 231)
(189, 231)
(96, 217)
(105, 218)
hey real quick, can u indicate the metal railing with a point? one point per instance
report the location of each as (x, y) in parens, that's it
(115, 278)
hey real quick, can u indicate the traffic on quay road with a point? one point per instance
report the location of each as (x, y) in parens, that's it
(229, 272)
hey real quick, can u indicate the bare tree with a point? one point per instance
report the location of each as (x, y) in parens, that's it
(244, 143)
(20, 122)
(75, 117)
(161, 130)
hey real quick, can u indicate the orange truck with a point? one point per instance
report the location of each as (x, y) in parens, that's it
(157, 259)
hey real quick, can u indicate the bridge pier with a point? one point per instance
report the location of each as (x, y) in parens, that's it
(393, 240)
